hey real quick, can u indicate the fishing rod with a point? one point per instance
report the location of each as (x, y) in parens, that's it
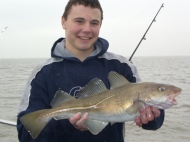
(3, 30)
(143, 38)
(7, 122)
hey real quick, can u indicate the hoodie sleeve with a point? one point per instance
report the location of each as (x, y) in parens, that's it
(39, 99)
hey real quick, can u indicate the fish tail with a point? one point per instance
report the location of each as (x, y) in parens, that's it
(33, 123)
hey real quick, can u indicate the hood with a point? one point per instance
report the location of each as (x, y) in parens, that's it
(59, 51)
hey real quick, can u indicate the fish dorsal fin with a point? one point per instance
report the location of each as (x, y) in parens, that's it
(95, 86)
(60, 97)
(116, 80)
(95, 126)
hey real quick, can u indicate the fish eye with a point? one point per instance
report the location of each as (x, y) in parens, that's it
(162, 89)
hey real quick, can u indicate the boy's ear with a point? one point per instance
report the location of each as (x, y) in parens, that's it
(63, 22)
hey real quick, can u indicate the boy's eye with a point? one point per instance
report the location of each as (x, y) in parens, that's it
(79, 21)
(95, 23)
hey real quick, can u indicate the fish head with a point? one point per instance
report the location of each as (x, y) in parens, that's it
(162, 96)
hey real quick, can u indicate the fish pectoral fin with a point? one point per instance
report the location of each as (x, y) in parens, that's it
(95, 86)
(60, 97)
(135, 106)
(95, 126)
(133, 109)
(116, 80)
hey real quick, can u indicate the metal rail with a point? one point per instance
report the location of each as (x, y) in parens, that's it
(7, 122)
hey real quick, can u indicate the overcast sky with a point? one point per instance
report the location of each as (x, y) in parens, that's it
(34, 25)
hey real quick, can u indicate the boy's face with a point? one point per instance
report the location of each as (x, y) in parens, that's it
(82, 28)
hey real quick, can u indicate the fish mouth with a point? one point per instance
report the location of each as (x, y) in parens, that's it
(171, 98)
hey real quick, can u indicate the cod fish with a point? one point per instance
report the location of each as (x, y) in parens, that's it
(119, 104)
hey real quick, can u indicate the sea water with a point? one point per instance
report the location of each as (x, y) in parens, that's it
(170, 70)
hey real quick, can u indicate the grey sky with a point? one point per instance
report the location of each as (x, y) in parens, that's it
(34, 25)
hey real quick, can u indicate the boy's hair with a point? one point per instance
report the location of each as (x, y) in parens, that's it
(90, 3)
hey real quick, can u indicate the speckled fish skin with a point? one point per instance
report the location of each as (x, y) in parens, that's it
(119, 104)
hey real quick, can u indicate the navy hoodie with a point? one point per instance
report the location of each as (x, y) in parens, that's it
(63, 71)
